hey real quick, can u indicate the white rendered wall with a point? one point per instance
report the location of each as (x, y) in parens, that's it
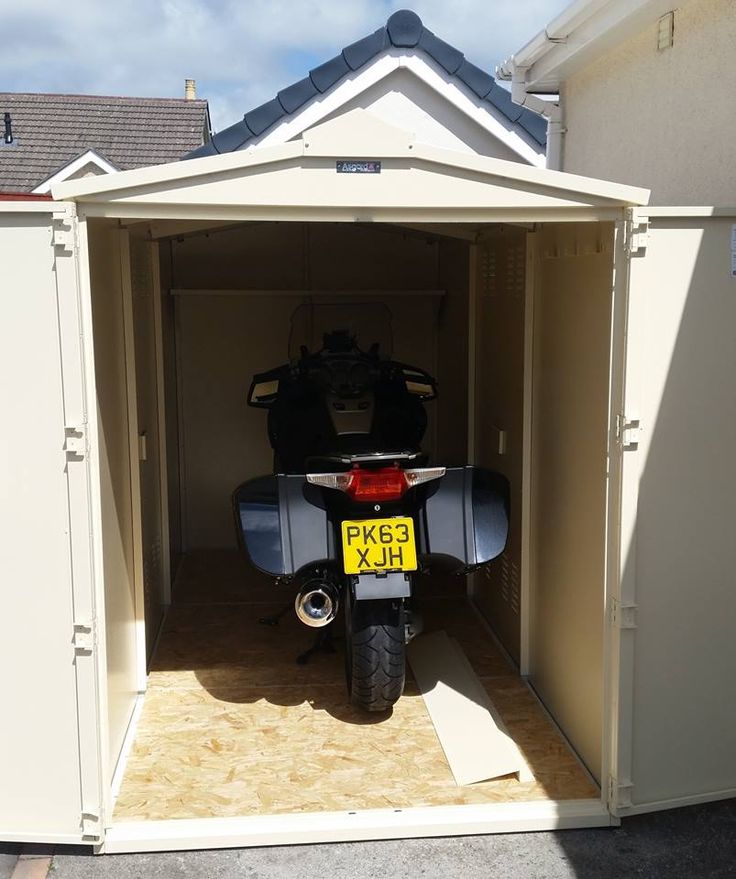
(661, 119)
(402, 99)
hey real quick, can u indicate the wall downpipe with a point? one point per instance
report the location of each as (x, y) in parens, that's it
(551, 110)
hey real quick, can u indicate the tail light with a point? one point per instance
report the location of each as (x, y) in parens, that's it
(382, 484)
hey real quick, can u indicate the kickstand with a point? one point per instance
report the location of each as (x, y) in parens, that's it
(323, 643)
(274, 620)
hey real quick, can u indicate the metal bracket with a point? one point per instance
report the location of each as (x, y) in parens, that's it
(75, 442)
(637, 235)
(84, 638)
(91, 826)
(623, 616)
(628, 431)
(619, 794)
(62, 233)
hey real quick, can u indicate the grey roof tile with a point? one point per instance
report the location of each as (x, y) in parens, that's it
(534, 124)
(404, 29)
(475, 79)
(294, 96)
(447, 56)
(359, 53)
(327, 74)
(52, 130)
(229, 139)
(263, 117)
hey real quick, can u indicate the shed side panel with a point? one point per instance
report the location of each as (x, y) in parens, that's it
(39, 745)
(123, 618)
(572, 327)
(683, 555)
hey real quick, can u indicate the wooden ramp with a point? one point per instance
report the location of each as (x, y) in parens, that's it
(232, 726)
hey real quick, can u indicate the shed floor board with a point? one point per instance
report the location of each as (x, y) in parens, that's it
(232, 726)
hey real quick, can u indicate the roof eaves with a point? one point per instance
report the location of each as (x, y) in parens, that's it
(581, 32)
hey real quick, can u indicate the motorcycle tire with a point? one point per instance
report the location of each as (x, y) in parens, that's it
(375, 652)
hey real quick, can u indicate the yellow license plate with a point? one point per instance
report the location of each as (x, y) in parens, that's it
(379, 545)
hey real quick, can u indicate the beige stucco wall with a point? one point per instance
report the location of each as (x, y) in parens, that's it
(661, 119)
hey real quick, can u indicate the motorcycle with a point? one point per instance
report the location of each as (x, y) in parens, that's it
(355, 508)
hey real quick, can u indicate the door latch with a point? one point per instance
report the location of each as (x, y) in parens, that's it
(75, 443)
(628, 431)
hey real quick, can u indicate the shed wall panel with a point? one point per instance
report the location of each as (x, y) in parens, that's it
(39, 744)
(682, 556)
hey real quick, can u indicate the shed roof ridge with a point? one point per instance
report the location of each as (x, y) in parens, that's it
(403, 30)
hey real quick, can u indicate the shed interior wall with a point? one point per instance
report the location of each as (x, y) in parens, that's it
(115, 409)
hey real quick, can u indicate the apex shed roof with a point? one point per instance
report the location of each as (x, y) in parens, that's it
(403, 30)
(51, 130)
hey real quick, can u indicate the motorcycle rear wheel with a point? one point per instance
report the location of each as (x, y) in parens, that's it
(375, 652)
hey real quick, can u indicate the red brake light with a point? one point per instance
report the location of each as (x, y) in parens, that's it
(384, 484)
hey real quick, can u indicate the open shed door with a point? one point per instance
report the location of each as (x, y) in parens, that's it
(674, 738)
(49, 752)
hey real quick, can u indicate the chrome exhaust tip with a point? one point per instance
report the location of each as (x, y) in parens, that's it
(317, 603)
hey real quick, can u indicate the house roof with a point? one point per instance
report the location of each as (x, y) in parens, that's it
(50, 131)
(403, 30)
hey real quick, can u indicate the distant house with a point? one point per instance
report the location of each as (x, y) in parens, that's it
(645, 92)
(47, 138)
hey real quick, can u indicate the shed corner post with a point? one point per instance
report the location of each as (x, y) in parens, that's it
(623, 478)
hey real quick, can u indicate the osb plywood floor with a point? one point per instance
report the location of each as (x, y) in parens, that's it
(232, 726)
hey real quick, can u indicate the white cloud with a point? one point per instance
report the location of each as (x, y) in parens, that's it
(240, 53)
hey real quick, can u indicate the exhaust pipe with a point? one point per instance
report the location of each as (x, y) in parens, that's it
(317, 603)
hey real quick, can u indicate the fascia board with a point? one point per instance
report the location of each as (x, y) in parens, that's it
(63, 173)
(573, 39)
(516, 174)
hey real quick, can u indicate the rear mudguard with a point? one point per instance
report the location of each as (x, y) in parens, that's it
(283, 522)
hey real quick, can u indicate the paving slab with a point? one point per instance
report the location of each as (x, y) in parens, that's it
(8, 859)
(681, 844)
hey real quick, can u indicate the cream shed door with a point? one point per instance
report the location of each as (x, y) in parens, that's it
(49, 749)
(674, 625)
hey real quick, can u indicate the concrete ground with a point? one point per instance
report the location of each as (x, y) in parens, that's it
(690, 843)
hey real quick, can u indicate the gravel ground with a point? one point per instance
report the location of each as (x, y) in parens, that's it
(690, 843)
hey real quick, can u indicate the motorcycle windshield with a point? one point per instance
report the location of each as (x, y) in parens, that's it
(369, 323)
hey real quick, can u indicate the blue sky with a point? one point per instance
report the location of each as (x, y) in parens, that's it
(240, 53)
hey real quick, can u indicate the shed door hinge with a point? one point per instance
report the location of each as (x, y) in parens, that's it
(628, 431)
(621, 615)
(637, 235)
(63, 235)
(84, 638)
(91, 827)
(619, 794)
(75, 442)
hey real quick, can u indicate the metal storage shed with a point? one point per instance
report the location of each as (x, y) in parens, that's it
(623, 549)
